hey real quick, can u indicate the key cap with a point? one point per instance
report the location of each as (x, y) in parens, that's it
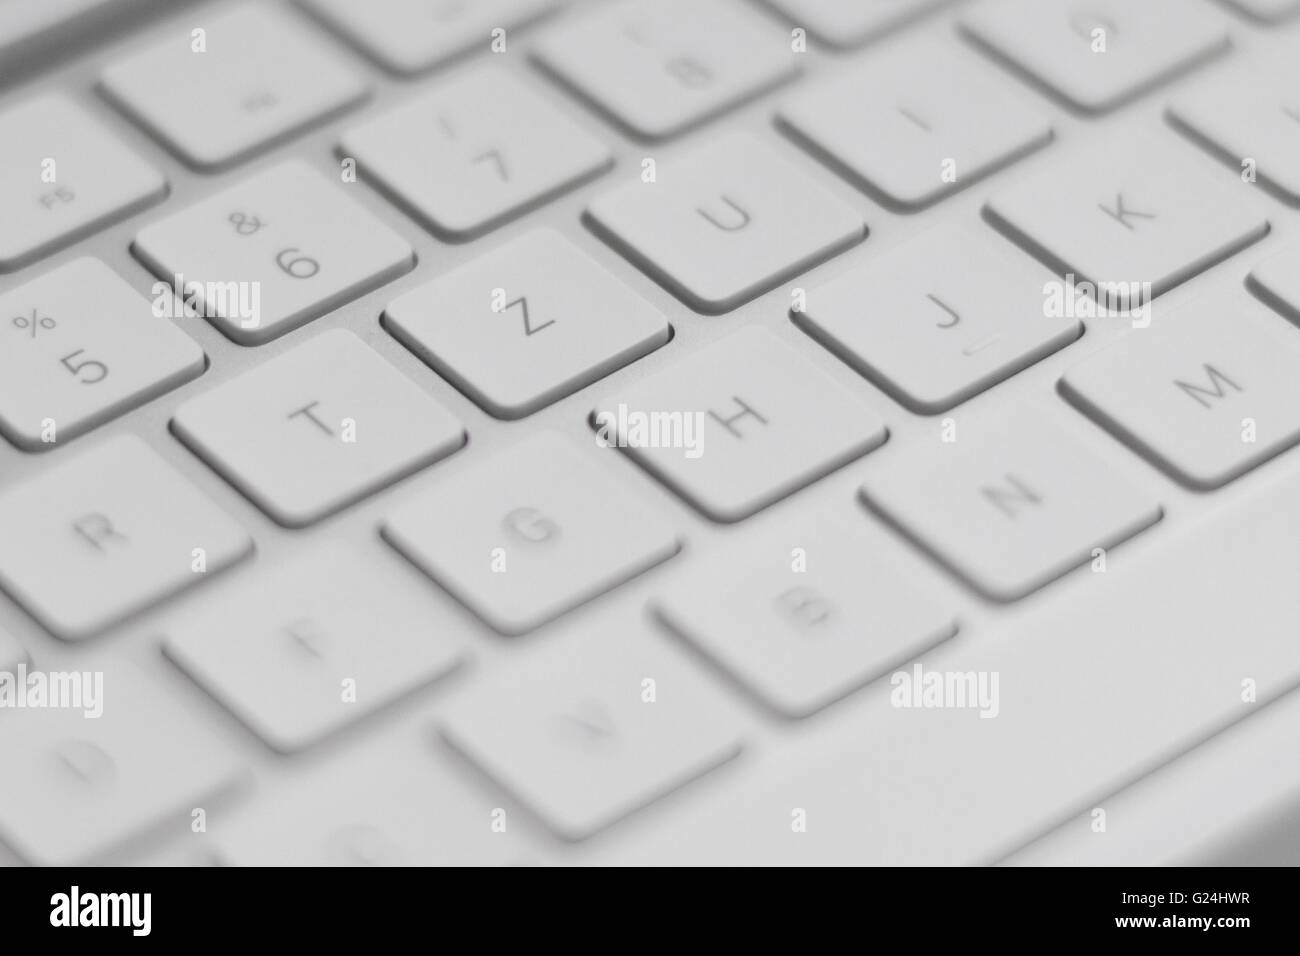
(1098, 56)
(659, 67)
(805, 614)
(64, 176)
(315, 645)
(850, 23)
(411, 36)
(253, 78)
(11, 652)
(83, 347)
(1012, 511)
(272, 252)
(526, 324)
(389, 804)
(725, 223)
(575, 738)
(1134, 221)
(106, 533)
(916, 123)
(475, 153)
(738, 425)
(78, 788)
(938, 319)
(317, 428)
(524, 537)
(1268, 11)
(1208, 392)
(1250, 118)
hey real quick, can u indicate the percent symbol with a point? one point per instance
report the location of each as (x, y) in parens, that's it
(34, 323)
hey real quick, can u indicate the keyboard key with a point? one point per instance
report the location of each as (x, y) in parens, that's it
(285, 653)
(64, 176)
(475, 153)
(576, 739)
(658, 67)
(938, 319)
(739, 424)
(534, 532)
(1268, 11)
(77, 788)
(107, 533)
(81, 347)
(11, 652)
(802, 632)
(1133, 214)
(411, 36)
(1208, 392)
(526, 324)
(1097, 56)
(916, 123)
(259, 78)
(273, 252)
(726, 223)
(1012, 511)
(317, 428)
(850, 23)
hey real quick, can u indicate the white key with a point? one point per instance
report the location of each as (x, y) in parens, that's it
(95, 178)
(1010, 511)
(575, 739)
(526, 324)
(474, 153)
(272, 252)
(11, 652)
(285, 653)
(1133, 214)
(107, 533)
(726, 222)
(259, 78)
(802, 632)
(525, 536)
(938, 319)
(1251, 118)
(82, 347)
(1269, 11)
(920, 121)
(658, 67)
(411, 36)
(317, 428)
(391, 803)
(1209, 391)
(1099, 55)
(78, 787)
(738, 424)
(849, 23)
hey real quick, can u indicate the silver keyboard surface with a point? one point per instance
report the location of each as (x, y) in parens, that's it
(571, 433)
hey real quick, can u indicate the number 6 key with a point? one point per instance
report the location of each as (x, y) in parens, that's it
(271, 253)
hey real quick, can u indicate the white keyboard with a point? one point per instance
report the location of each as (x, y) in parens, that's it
(649, 431)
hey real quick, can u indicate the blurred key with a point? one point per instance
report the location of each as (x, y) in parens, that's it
(1267, 11)
(1208, 392)
(530, 533)
(254, 76)
(850, 23)
(1098, 55)
(35, 28)
(658, 67)
(272, 252)
(938, 319)
(81, 347)
(526, 324)
(739, 424)
(726, 222)
(411, 36)
(106, 533)
(804, 613)
(78, 787)
(63, 175)
(1013, 509)
(316, 644)
(474, 153)
(317, 428)
(917, 122)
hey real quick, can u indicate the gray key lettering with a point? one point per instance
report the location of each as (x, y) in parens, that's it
(733, 226)
(804, 606)
(1217, 381)
(530, 525)
(305, 411)
(1121, 215)
(746, 410)
(97, 529)
(1006, 500)
(953, 315)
